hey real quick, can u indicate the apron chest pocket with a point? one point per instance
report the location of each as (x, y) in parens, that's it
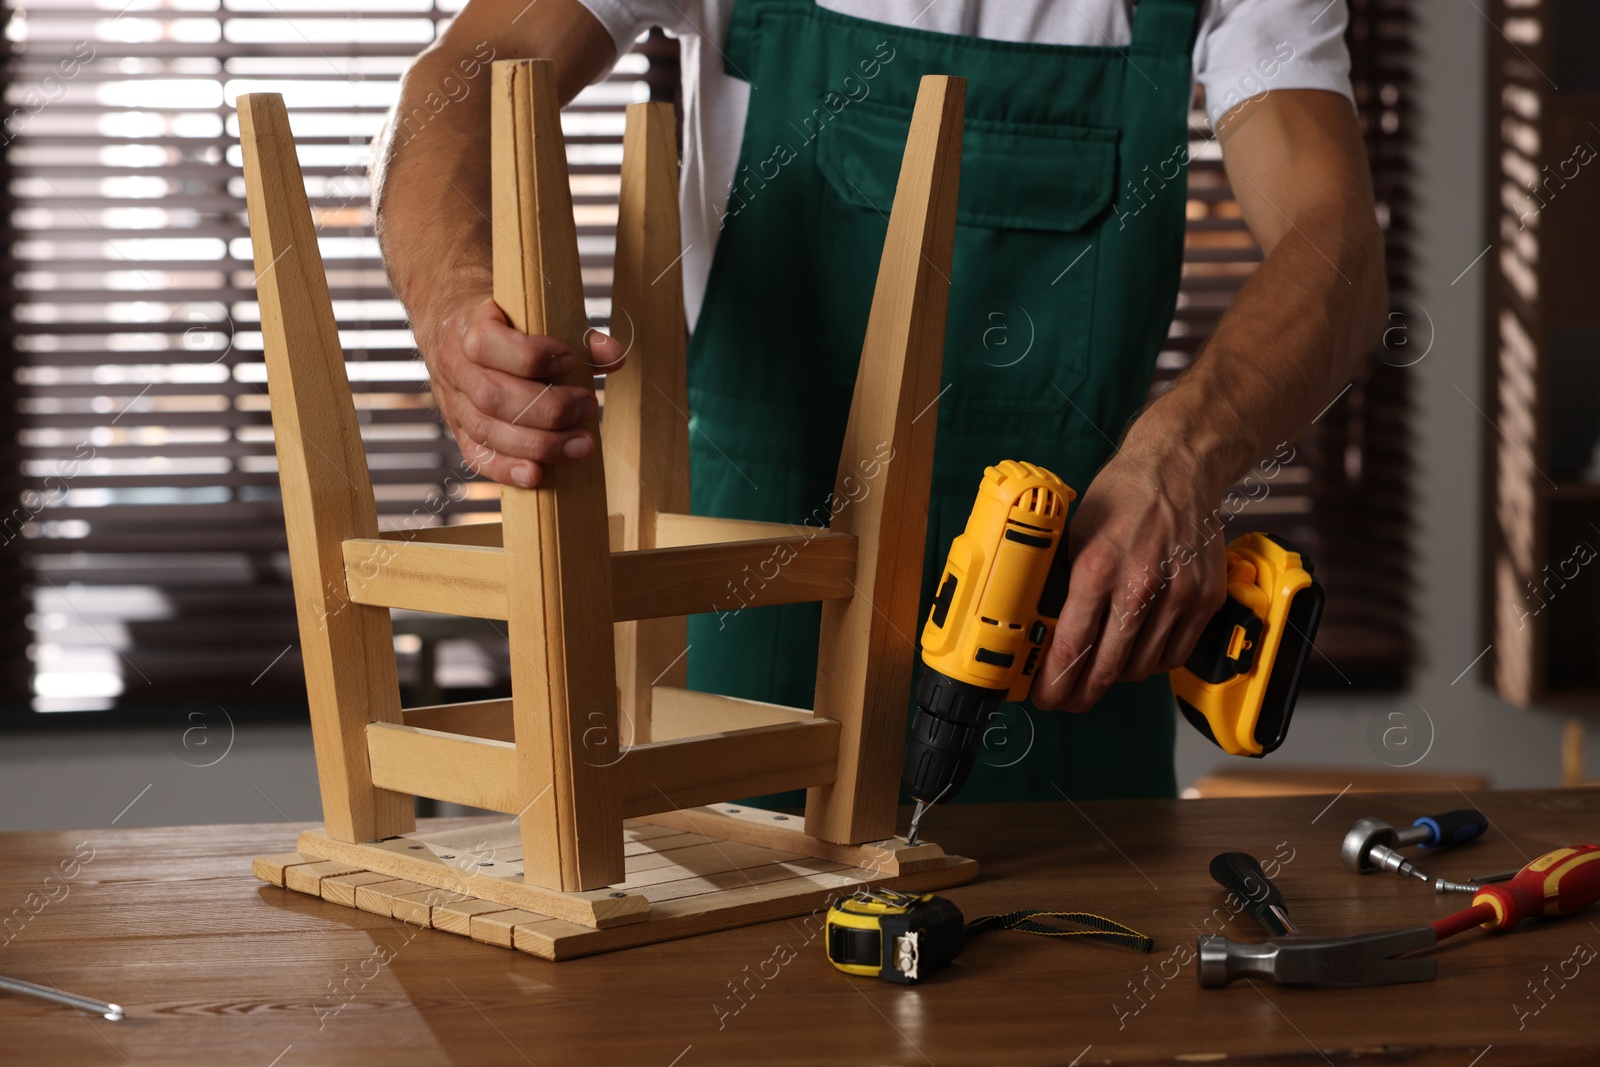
(1031, 207)
(1013, 176)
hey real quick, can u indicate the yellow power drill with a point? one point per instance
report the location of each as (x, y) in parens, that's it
(995, 612)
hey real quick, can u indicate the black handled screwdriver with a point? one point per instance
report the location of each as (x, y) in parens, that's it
(1240, 874)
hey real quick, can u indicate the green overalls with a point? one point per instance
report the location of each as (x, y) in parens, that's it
(1068, 248)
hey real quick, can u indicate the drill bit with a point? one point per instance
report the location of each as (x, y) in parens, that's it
(916, 821)
(1384, 858)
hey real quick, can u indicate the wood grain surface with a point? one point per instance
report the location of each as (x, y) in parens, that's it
(215, 968)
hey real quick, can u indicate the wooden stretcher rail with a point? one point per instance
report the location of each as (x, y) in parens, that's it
(687, 713)
(683, 713)
(656, 776)
(651, 583)
(475, 718)
(475, 771)
(690, 771)
(467, 533)
(674, 530)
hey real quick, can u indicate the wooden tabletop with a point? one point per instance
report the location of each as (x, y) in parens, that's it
(215, 968)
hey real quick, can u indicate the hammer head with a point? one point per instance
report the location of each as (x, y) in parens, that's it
(1363, 960)
(1359, 841)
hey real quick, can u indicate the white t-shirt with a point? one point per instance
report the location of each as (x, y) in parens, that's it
(1240, 51)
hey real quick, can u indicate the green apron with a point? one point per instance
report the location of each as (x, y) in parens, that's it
(1067, 255)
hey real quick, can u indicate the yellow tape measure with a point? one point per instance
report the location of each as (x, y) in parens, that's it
(903, 937)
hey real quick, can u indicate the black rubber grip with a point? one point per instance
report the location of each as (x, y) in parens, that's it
(1453, 827)
(1241, 875)
(945, 734)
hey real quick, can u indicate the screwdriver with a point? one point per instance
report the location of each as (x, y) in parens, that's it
(1241, 874)
(1556, 883)
(71, 1000)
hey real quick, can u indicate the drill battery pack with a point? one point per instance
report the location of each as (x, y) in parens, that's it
(1238, 687)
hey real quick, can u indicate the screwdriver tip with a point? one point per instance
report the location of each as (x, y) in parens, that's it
(916, 822)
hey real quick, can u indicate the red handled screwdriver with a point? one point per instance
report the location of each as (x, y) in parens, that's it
(1556, 883)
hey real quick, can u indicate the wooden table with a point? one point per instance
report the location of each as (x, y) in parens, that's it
(216, 968)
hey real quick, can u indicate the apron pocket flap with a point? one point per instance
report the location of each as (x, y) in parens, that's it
(1013, 175)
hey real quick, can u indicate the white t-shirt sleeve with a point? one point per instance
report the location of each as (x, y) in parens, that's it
(1247, 47)
(625, 20)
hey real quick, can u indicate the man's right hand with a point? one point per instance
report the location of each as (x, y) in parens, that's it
(492, 385)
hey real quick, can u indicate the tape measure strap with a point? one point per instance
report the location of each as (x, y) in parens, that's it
(1099, 927)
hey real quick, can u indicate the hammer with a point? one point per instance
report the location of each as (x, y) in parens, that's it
(1373, 845)
(1557, 883)
(1290, 959)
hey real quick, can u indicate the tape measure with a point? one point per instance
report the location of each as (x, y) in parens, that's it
(903, 937)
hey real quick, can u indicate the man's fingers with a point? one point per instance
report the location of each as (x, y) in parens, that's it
(507, 470)
(606, 353)
(1185, 633)
(522, 443)
(493, 345)
(1082, 619)
(535, 405)
(1103, 666)
(1146, 656)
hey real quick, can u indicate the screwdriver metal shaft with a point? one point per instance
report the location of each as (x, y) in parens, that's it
(916, 821)
(71, 1000)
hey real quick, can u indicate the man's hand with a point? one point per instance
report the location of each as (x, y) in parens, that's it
(1147, 570)
(493, 388)
(1145, 580)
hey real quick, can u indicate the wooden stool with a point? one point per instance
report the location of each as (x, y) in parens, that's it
(606, 771)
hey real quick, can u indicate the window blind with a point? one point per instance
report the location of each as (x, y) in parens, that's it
(147, 548)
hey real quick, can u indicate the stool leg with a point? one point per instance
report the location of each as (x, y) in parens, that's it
(646, 418)
(557, 553)
(327, 491)
(868, 644)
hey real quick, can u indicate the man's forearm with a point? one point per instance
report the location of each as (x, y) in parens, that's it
(1295, 334)
(431, 186)
(431, 189)
(1305, 321)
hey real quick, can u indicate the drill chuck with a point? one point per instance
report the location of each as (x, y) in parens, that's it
(945, 734)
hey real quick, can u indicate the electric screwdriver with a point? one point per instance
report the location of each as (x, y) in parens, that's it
(995, 612)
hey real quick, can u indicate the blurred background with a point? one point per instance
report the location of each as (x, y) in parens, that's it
(149, 666)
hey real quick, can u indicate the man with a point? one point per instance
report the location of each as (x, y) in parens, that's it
(1066, 266)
